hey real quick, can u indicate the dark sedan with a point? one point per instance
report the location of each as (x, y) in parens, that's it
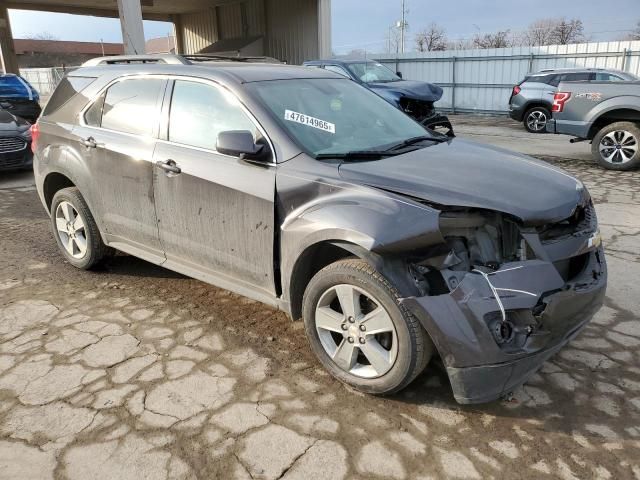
(19, 97)
(414, 98)
(15, 142)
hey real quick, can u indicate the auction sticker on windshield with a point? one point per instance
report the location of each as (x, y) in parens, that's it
(309, 121)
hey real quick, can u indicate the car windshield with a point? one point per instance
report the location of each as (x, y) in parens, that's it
(10, 85)
(335, 116)
(369, 72)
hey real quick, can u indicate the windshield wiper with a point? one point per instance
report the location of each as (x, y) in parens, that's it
(413, 140)
(356, 154)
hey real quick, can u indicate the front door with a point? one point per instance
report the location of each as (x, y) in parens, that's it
(118, 137)
(215, 212)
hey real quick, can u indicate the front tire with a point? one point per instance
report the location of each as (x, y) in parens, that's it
(617, 146)
(535, 120)
(75, 230)
(360, 332)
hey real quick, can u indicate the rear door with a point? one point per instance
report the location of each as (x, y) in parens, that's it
(215, 212)
(118, 132)
(565, 77)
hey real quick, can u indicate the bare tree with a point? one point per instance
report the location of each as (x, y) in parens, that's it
(499, 39)
(431, 39)
(460, 44)
(568, 31)
(541, 32)
(42, 36)
(635, 34)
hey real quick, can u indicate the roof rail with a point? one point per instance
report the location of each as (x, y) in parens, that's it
(209, 57)
(167, 58)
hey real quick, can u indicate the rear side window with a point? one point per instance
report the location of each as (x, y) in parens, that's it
(131, 106)
(93, 115)
(199, 112)
(65, 91)
(575, 77)
(539, 79)
(607, 77)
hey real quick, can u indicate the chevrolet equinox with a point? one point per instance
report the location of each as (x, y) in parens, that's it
(301, 189)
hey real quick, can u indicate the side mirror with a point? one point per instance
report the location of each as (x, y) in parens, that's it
(399, 74)
(238, 143)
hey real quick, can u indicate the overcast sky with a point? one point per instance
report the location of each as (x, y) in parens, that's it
(603, 20)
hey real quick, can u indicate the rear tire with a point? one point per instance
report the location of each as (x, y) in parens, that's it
(604, 146)
(75, 230)
(535, 120)
(381, 329)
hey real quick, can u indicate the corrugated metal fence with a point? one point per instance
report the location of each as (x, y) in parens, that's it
(481, 80)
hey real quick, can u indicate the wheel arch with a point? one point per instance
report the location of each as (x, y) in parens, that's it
(321, 254)
(613, 116)
(54, 182)
(534, 104)
(313, 259)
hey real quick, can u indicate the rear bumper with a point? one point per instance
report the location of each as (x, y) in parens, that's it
(567, 127)
(544, 311)
(551, 126)
(516, 112)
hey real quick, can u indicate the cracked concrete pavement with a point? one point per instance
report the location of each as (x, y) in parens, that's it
(136, 372)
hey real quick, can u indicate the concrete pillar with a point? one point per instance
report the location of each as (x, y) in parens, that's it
(7, 52)
(178, 33)
(130, 13)
(324, 28)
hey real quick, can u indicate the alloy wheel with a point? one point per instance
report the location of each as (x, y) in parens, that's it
(537, 120)
(71, 230)
(619, 146)
(356, 332)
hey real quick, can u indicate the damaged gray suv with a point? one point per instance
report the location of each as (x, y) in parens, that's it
(301, 189)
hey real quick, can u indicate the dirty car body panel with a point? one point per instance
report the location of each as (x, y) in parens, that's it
(496, 254)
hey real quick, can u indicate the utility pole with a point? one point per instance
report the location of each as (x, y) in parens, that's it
(403, 26)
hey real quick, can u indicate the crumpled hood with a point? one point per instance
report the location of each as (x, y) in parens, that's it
(468, 174)
(409, 89)
(8, 122)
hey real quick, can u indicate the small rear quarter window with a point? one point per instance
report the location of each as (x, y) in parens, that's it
(65, 91)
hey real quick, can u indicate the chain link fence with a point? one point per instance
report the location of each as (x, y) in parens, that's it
(44, 80)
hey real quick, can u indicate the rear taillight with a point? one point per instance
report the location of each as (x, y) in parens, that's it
(559, 99)
(516, 90)
(35, 133)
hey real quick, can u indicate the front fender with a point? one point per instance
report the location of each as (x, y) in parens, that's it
(389, 95)
(379, 226)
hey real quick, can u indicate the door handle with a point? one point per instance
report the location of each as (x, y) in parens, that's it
(170, 167)
(89, 142)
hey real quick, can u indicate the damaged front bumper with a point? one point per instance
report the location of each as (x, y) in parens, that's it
(439, 123)
(492, 345)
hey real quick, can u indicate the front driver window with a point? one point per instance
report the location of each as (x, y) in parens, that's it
(199, 112)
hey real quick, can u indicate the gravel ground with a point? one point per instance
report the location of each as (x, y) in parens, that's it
(136, 372)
